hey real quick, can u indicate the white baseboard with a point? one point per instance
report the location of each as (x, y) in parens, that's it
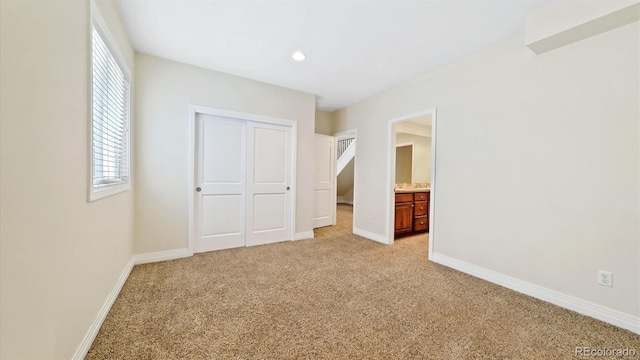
(344, 202)
(91, 334)
(611, 316)
(303, 235)
(371, 236)
(161, 256)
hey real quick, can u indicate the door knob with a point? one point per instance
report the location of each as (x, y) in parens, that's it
(198, 189)
(288, 188)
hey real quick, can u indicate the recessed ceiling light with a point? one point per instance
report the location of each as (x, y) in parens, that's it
(298, 56)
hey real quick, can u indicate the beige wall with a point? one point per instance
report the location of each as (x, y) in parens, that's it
(60, 256)
(324, 123)
(347, 197)
(421, 172)
(537, 162)
(345, 183)
(404, 164)
(165, 89)
(343, 120)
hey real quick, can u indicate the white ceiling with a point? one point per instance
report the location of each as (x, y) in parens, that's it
(354, 49)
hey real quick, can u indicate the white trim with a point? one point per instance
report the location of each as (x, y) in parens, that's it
(91, 334)
(346, 134)
(199, 109)
(346, 157)
(242, 116)
(303, 235)
(161, 256)
(355, 176)
(432, 198)
(608, 315)
(96, 17)
(391, 173)
(191, 178)
(413, 155)
(294, 177)
(107, 190)
(97, 21)
(369, 235)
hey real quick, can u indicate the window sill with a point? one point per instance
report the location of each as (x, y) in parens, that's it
(107, 190)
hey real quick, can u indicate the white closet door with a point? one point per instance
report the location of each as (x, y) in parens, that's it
(324, 188)
(269, 175)
(220, 178)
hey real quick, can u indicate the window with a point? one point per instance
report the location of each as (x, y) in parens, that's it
(109, 119)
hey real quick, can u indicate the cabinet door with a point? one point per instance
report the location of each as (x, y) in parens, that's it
(404, 218)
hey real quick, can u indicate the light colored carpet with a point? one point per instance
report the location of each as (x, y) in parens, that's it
(335, 297)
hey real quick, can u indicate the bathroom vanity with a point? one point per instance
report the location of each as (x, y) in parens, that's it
(412, 210)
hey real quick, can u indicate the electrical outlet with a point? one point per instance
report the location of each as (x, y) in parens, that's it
(605, 278)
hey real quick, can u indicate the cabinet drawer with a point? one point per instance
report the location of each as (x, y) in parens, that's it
(420, 223)
(404, 198)
(421, 196)
(420, 208)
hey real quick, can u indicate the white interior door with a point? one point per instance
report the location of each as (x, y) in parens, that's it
(324, 189)
(220, 173)
(269, 179)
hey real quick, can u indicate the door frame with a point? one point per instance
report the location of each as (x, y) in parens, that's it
(194, 110)
(391, 173)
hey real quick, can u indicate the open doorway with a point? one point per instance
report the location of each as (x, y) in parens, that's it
(412, 191)
(344, 176)
(346, 179)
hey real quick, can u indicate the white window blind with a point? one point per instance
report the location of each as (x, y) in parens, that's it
(110, 118)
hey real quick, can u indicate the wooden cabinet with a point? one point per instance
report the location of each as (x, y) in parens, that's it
(404, 214)
(412, 213)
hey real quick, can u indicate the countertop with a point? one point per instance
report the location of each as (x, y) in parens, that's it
(412, 188)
